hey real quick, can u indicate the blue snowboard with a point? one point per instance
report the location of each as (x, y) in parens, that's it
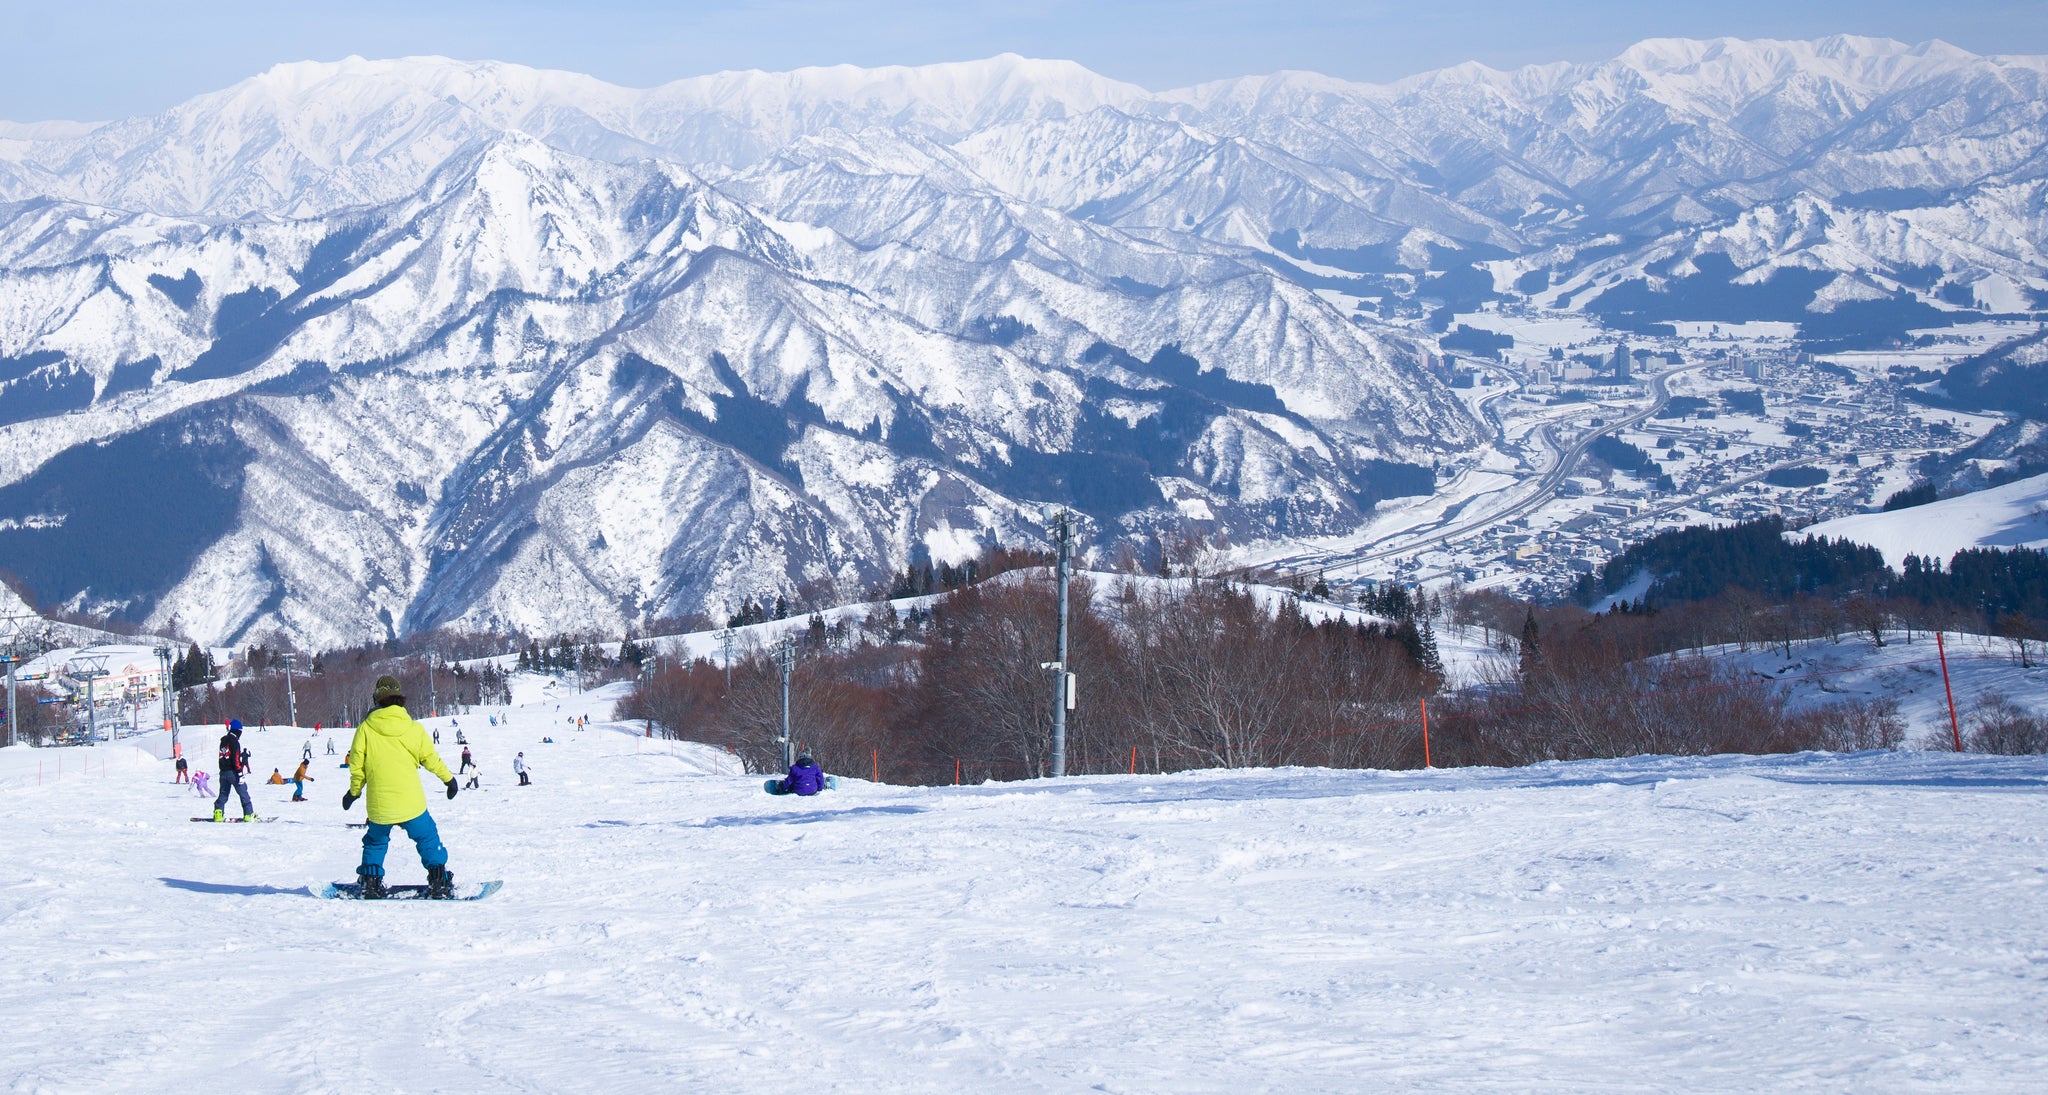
(774, 786)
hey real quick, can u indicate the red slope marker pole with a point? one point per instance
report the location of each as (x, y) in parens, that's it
(875, 755)
(1425, 733)
(1134, 760)
(1954, 728)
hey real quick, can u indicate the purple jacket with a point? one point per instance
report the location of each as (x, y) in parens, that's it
(805, 779)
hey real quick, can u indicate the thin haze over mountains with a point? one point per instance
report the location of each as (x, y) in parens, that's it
(418, 342)
(108, 59)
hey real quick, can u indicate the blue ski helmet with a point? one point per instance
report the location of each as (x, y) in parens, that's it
(234, 726)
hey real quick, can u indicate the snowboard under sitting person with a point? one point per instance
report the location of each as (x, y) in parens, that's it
(389, 748)
(805, 777)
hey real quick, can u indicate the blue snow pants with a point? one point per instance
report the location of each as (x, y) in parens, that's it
(237, 783)
(377, 841)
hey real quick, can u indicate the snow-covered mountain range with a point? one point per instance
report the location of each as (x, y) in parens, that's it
(364, 347)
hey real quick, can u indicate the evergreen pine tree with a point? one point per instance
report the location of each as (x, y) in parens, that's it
(1432, 661)
(1532, 647)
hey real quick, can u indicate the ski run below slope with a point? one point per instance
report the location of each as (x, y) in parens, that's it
(1868, 922)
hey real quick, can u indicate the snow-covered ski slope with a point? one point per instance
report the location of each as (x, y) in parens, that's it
(1859, 923)
(2009, 516)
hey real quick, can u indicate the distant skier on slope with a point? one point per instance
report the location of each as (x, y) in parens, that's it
(468, 762)
(299, 779)
(805, 777)
(519, 766)
(388, 748)
(183, 770)
(234, 772)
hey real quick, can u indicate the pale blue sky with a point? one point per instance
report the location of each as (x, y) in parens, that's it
(96, 59)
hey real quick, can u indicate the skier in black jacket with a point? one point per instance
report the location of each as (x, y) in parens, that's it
(234, 771)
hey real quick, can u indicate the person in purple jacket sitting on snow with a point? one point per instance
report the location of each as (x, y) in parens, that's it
(805, 777)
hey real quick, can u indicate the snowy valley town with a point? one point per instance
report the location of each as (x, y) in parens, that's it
(666, 548)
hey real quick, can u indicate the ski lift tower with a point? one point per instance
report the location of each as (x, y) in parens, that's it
(170, 698)
(14, 644)
(89, 667)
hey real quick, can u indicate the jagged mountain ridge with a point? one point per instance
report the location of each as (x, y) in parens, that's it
(661, 350)
(547, 388)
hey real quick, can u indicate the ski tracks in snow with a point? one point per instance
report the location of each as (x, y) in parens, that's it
(1810, 923)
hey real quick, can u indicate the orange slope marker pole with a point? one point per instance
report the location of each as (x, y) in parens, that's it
(1954, 728)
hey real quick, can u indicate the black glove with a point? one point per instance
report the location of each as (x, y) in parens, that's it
(451, 788)
(348, 799)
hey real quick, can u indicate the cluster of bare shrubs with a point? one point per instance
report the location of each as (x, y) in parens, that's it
(1680, 705)
(1998, 725)
(1171, 676)
(1195, 674)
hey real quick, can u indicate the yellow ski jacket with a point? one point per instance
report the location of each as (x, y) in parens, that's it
(388, 747)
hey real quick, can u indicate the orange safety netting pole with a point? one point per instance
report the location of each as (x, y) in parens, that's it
(956, 771)
(1134, 760)
(1425, 732)
(1954, 728)
(875, 755)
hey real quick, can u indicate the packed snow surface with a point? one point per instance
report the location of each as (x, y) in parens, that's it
(2008, 516)
(1820, 923)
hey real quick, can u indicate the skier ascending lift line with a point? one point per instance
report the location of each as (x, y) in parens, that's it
(388, 748)
(234, 772)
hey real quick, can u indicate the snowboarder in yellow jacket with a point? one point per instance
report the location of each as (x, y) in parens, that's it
(389, 747)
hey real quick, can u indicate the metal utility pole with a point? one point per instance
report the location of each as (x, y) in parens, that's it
(725, 638)
(10, 697)
(785, 656)
(291, 700)
(1060, 527)
(433, 706)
